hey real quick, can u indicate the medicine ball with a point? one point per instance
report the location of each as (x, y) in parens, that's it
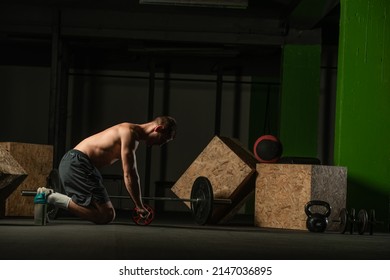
(267, 149)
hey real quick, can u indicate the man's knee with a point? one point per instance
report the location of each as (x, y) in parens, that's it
(106, 217)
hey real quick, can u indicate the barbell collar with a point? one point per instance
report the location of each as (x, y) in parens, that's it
(28, 193)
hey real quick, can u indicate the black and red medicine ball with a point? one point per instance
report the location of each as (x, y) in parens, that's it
(267, 149)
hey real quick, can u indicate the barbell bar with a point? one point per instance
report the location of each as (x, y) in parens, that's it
(215, 201)
(202, 199)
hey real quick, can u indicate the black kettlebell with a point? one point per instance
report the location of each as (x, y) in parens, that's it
(317, 222)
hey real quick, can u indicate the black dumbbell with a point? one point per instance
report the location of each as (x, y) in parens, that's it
(349, 220)
(372, 222)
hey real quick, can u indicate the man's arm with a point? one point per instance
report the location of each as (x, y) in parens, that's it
(129, 165)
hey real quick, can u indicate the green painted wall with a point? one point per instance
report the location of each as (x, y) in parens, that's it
(362, 131)
(300, 100)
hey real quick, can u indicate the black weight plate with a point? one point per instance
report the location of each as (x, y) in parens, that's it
(343, 216)
(362, 221)
(201, 200)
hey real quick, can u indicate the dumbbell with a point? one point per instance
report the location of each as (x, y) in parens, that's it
(349, 220)
(372, 222)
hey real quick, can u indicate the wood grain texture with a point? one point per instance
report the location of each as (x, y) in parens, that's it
(228, 166)
(37, 161)
(282, 190)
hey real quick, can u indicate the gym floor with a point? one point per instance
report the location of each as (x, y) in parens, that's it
(175, 236)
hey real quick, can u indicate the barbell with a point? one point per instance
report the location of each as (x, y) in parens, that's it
(201, 202)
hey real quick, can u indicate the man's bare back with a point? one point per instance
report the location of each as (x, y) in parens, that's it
(104, 148)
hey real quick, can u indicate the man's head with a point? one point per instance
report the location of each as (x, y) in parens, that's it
(164, 130)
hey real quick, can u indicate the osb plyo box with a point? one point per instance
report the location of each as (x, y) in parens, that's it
(230, 169)
(12, 175)
(37, 161)
(282, 191)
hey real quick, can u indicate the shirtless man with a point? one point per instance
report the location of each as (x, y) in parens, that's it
(86, 196)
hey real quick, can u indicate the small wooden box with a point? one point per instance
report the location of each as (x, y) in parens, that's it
(37, 161)
(282, 190)
(229, 168)
(12, 175)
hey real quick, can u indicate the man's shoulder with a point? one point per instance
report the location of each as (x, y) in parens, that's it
(126, 128)
(125, 125)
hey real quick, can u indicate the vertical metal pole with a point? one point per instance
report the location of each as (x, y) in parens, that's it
(267, 114)
(62, 105)
(53, 77)
(237, 104)
(58, 92)
(160, 188)
(165, 111)
(148, 162)
(218, 101)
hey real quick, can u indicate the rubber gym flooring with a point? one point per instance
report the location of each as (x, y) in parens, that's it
(175, 236)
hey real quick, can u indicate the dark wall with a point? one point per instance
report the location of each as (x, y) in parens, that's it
(117, 53)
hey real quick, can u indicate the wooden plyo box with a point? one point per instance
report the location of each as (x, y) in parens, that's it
(37, 161)
(12, 175)
(282, 191)
(229, 168)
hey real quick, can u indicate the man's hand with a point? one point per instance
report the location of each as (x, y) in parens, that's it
(143, 216)
(143, 213)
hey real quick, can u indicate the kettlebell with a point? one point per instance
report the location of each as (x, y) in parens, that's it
(317, 222)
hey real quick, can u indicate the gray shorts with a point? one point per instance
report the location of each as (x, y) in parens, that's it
(81, 180)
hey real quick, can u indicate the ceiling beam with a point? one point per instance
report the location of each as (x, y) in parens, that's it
(206, 28)
(234, 4)
(308, 13)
